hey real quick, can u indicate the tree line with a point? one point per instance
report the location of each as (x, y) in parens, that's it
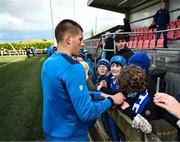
(23, 45)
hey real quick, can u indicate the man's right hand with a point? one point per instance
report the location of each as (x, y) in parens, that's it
(118, 98)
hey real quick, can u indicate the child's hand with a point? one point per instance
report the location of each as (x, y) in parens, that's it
(124, 105)
(103, 83)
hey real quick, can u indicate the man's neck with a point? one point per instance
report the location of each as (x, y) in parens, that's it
(64, 49)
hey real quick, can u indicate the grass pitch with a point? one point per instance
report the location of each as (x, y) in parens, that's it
(20, 99)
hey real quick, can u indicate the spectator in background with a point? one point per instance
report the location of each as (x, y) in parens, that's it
(54, 49)
(109, 44)
(87, 59)
(1, 52)
(33, 51)
(51, 50)
(27, 49)
(161, 19)
(127, 27)
(121, 46)
(68, 105)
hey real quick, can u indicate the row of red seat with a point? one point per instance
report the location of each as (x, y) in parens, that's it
(146, 43)
(173, 35)
(147, 40)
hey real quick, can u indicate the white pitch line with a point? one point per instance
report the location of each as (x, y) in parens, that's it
(10, 62)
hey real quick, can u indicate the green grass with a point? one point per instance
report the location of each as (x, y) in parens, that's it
(7, 59)
(21, 99)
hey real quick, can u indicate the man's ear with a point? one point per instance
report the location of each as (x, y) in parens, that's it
(68, 39)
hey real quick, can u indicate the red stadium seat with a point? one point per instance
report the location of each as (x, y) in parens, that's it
(134, 44)
(130, 43)
(152, 43)
(145, 36)
(146, 44)
(160, 43)
(177, 33)
(171, 34)
(140, 37)
(131, 37)
(172, 24)
(140, 44)
(151, 35)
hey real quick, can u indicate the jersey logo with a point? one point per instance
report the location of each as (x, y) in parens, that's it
(80, 87)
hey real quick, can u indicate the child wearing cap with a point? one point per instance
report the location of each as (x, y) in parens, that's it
(102, 69)
(112, 87)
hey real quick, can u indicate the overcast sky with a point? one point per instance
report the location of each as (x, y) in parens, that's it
(31, 19)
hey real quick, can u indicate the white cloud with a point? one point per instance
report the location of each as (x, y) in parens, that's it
(34, 15)
(12, 24)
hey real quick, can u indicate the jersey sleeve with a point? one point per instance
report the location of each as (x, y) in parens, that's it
(86, 109)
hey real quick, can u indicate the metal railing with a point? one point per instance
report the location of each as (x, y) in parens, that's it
(19, 52)
(100, 44)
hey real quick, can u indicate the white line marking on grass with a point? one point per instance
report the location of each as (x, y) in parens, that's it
(11, 62)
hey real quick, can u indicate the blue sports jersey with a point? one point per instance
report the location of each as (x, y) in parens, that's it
(67, 104)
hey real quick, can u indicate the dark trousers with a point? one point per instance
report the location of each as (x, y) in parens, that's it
(159, 28)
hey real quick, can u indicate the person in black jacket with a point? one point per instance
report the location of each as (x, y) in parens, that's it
(121, 46)
(161, 19)
(127, 27)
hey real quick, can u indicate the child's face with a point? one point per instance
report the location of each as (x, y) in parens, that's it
(120, 44)
(102, 70)
(115, 69)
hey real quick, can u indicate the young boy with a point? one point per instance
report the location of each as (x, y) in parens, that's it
(102, 69)
(121, 46)
(133, 83)
(138, 104)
